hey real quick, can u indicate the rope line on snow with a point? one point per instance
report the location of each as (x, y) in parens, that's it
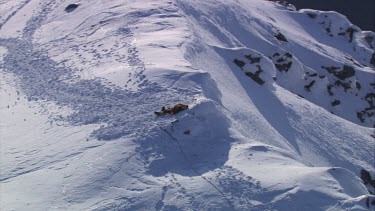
(194, 170)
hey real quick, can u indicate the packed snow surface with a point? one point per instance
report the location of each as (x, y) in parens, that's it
(281, 106)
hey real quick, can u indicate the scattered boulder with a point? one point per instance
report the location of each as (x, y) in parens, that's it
(345, 85)
(253, 59)
(255, 76)
(283, 66)
(361, 117)
(281, 37)
(366, 113)
(329, 89)
(312, 74)
(336, 103)
(71, 7)
(367, 179)
(331, 69)
(346, 72)
(239, 63)
(370, 98)
(308, 87)
(282, 63)
(358, 85)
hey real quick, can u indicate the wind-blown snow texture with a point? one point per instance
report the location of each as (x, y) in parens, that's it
(281, 106)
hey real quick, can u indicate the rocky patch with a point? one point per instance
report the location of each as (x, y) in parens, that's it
(328, 21)
(329, 89)
(282, 63)
(346, 72)
(368, 112)
(239, 63)
(358, 85)
(253, 59)
(368, 180)
(308, 86)
(253, 62)
(255, 76)
(281, 37)
(349, 32)
(342, 84)
(336, 103)
(327, 26)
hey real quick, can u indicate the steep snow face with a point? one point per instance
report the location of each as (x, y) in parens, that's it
(328, 59)
(280, 105)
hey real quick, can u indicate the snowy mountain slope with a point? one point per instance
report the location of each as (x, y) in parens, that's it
(78, 91)
(328, 71)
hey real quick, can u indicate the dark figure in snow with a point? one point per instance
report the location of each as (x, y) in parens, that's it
(174, 110)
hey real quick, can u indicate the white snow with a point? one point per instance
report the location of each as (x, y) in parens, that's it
(262, 132)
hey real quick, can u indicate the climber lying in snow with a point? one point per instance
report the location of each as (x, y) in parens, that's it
(174, 110)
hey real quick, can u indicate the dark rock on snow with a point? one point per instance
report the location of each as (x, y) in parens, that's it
(255, 76)
(281, 37)
(239, 63)
(71, 7)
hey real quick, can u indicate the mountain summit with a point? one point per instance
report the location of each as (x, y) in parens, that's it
(278, 106)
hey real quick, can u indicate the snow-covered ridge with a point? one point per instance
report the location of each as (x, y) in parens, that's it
(326, 57)
(281, 105)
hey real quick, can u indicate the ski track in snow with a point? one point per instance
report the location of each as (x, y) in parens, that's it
(93, 101)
